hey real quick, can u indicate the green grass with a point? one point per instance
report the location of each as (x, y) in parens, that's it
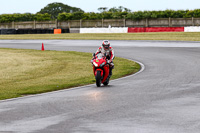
(26, 72)
(173, 36)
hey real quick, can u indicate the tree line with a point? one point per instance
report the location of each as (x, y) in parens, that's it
(139, 15)
(64, 12)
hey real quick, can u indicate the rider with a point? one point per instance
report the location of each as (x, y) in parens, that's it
(108, 50)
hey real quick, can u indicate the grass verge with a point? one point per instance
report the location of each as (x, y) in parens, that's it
(26, 72)
(173, 36)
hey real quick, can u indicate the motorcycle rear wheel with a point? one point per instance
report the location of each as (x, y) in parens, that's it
(98, 79)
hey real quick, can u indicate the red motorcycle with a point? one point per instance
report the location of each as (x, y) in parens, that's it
(101, 69)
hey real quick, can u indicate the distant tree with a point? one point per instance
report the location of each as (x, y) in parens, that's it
(127, 10)
(102, 9)
(55, 8)
(119, 9)
(114, 9)
(112, 13)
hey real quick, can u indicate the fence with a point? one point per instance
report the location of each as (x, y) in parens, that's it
(162, 22)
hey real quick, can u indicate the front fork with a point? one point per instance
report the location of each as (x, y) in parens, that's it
(95, 71)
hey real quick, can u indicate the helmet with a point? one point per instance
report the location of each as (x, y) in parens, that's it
(106, 44)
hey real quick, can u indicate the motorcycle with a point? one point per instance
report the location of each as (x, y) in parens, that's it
(101, 69)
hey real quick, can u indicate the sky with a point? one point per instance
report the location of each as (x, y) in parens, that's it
(33, 6)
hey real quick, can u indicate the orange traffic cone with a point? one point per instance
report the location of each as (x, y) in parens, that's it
(42, 47)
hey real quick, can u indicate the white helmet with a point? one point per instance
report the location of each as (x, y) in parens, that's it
(106, 44)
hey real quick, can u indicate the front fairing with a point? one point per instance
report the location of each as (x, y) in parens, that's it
(99, 62)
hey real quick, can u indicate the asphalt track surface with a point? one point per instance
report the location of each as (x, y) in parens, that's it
(163, 98)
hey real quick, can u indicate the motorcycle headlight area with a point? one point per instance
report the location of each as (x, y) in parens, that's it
(102, 64)
(95, 64)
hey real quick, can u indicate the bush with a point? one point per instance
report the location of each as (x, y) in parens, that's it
(43, 17)
(93, 16)
(64, 16)
(77, 15)
(6, 18)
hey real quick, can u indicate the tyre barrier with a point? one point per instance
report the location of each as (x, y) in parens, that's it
(65, 31)
(30, 31)
(8, 31)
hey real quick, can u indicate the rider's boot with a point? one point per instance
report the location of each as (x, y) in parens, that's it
(110, 72)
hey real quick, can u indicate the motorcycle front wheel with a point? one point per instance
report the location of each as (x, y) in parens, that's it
(98, 79)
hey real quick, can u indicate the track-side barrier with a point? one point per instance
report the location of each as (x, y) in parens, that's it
(136, 29)
(31, 31)
(155, 29)
(57, 31)
(7, 31)
(192, 29)
(104, 30)
(165, 29)
(101, 30)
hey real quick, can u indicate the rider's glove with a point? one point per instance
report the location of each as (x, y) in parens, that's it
(91, 61)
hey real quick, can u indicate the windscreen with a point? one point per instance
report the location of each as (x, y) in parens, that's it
(99, 56)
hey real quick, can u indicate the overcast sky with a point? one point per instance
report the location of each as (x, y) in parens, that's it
(33, 6)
